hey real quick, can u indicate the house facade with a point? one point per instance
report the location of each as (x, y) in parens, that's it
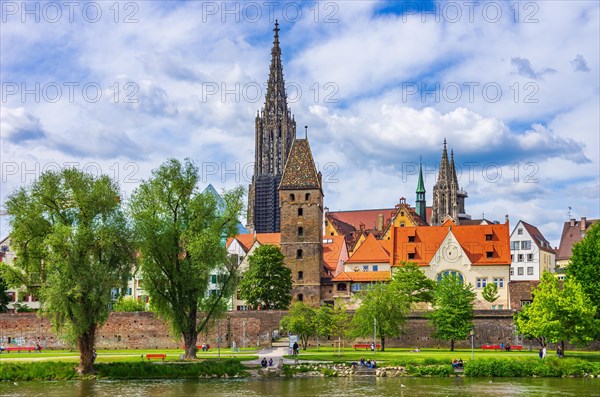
(531, 254)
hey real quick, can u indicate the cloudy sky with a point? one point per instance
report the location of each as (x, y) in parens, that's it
(120, 87)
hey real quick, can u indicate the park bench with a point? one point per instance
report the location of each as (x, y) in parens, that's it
(18, 349)
(156, 355)
(497, 347)
(366, 346)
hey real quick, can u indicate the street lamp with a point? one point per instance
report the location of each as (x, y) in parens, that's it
(472, 343)
(375, 336)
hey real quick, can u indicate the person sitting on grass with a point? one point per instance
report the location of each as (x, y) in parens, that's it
(362, 361)
(454, 363)
(373, 364)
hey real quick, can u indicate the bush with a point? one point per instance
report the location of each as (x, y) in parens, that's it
(430, 370)
(120, 370)
(128, 304)
(551, 367)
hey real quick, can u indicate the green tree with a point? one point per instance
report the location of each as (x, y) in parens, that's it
(452, 313)
(490, 292)
(410, 280)
(384, 304)
(4, 298)
(558, 313)
(324, 322)
(300, 320)
(128, 304)
(74, 245)
(267, 282)
(585, 264)
(180, 232)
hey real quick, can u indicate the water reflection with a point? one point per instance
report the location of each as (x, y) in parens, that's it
(310, 387)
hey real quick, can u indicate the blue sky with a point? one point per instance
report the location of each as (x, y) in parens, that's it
(514, 87)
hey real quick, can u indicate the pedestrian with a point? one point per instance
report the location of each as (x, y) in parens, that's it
(540, 353)
(544, 352)
(263, 362)
(501, 346)
(372, 346)
(559, 352)
(94, 355)
(295, 349)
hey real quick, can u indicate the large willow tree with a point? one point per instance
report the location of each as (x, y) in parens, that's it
(73, 246)
(181, 235)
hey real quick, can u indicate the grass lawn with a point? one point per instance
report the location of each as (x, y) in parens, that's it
(109, 356)
(403, 355)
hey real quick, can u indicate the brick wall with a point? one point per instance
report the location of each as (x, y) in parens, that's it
(145, 331)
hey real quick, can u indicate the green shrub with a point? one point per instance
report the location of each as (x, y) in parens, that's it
(430, 370)
(551, 367)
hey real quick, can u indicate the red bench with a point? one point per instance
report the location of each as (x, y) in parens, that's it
(497, 347)
(366, 346)
(156, 355)
(18, 349)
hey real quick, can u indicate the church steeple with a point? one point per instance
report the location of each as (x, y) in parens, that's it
(421, 205)
(448, 198)
(275, 131)
(444, 171)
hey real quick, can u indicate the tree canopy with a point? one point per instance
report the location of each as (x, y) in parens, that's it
(73, 245)
(490, 292)
(300, 320)
(411, 281)
(452, 313)
(558, 313)
(382, 303)
(267, 282)
(180, 234)
(585, 264)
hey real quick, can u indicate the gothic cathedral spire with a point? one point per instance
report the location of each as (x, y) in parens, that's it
(275, 131)
(421, 205)
(448, 198)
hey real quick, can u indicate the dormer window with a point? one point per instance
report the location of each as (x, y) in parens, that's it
(489, 254)
(488, 237)
(411, 239)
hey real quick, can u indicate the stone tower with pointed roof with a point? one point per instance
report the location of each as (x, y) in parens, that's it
(421, 204)
(448, 198)
(275, 130)
(301, 201)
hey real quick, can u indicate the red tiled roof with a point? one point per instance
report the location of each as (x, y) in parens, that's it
(247, 240)
(366, 217)
(472, 239)
(331, 251)
(362, 277)
(538, 238)
(370, 251)
(571, 235)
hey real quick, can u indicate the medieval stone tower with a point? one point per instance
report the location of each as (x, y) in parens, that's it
(275, 130)
(301, 201)
(448, 198)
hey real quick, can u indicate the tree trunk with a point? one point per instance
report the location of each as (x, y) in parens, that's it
(190, 338)
(304, 340)
(451, 345)
(382, 344)
(86, 343)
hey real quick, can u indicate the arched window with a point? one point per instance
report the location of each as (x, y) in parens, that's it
(292, 197)
(299, 254)
(300, 231)
(300, 275)
(300, 297)
(450, 273)
(307, 196)
(300, 212)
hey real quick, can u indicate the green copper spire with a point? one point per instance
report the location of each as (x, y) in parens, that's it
(420, 184)
(421, 205)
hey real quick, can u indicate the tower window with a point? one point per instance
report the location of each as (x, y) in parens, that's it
(300, 275)
(300, 297)
(300, 231)
(300, 212)
(307, 196)
(299, 254)
(292, 197)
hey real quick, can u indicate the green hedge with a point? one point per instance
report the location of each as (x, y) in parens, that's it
(120, 370)
(550, 367)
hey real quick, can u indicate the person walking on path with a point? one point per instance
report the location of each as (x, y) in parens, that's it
(544, 352)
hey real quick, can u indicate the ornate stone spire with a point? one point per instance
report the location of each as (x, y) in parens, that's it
(453, 177)
(420, 205)
(443, 175)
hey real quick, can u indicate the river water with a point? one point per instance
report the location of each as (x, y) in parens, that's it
(310, 387)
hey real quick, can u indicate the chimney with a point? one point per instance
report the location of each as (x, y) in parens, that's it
(582, 224)
(506, 218)
(572, 222)
(362, 227)
(380, 222)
